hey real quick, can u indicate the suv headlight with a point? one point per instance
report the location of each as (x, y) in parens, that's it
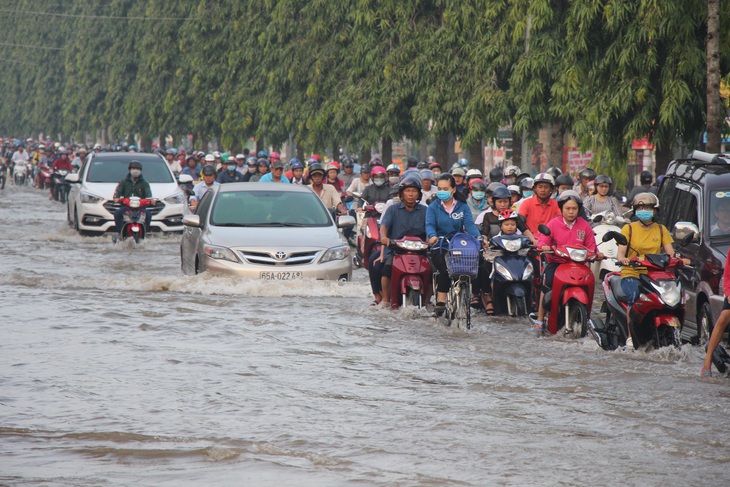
(220, 253)
(175, 199)
(87, 197)
(335, 253)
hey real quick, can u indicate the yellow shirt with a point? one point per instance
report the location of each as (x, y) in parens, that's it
(644, 240)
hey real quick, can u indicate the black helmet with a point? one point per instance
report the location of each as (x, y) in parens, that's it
(564, 180)
(135, 165)
(209, 170)
(316, 167)
(422, 165)
(479, 185)
(496, 175)
(588, 174)
(412, 162)
(501, 193)
(411, 181)
(646, 177)
(347, 162)
(603, 179)
(262, 161)
(554, 171)
(365, 168)
(569, 195)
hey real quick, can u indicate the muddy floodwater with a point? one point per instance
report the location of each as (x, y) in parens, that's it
(116, 370)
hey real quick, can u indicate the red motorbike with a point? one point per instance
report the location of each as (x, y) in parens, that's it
(368, 241)
(44, 177)
(568, 304)
(410, 283)
(133, 225)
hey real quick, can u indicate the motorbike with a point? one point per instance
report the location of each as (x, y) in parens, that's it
(512, 274)
(3, 174)
(568, 304)
(60, 186)
(133, 224)
(411, 279)
(602, 223)
(656, 317)
(368, 240)
(721, 359)
(20, 173)
(44, 176)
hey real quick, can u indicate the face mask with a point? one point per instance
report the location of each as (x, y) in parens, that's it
(644, 215)
(393, 180)
(378, 181)
(443, 195)
(478, 195)
(231, 168)
(436, 174)
(527, 194)
(135, 173)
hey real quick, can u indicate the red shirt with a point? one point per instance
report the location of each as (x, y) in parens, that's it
(537, 214)
(62, 164)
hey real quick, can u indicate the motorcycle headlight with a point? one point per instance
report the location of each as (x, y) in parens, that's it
(175, 199)
(220, 253)
(527, 275)
(578, 255)
(335, 253)
(503, 271)
(669, 292)
(87, 197)
(412, 245)
(609, 218)
(512, 245)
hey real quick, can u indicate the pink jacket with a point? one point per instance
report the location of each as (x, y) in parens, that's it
(580, 234)
(726, 277)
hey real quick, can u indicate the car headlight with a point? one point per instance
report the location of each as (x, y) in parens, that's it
(504, 271)
(578, 255)
(669, 292)
(335, 253)
(87, 197)
(175, 199)
(527, 275)
(413, 245)
(220, 253)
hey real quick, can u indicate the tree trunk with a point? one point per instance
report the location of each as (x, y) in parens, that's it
(517, 153)
(664, 155)
(423, 150)
(366, 154)
(442, 151)
(476, 156)
(557, 136)
(714, 118)
(300, 153)
(259, 145)
(387, 152)
(146, 142)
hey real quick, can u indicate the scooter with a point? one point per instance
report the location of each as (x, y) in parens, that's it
(410, 282)
(60, 186)
(602, 223)
(20, 173)
(568, 304)
(656, 317)
(368, 240)
(512, 274)
(44, 177)
(133, 225)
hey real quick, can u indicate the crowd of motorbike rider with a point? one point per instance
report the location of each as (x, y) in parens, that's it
(427, 200)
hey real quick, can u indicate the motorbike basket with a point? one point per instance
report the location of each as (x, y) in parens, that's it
(463, 257)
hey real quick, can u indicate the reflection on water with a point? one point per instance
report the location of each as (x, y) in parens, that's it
(117, 370)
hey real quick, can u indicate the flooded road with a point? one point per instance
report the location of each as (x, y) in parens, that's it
(117, 370)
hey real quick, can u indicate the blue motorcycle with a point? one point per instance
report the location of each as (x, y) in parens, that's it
(512, 274)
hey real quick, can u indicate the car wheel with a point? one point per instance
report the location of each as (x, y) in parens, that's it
(76, 221)
(704, 324)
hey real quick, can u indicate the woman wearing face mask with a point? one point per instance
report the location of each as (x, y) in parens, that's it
(378, 190)
(527, 192)
(445, 216)
(476, 199)
(644, 237)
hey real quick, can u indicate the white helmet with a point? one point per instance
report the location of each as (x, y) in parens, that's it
(544, 177)
(209, 158)
(512, 171)
(473, 173)
(645, 199)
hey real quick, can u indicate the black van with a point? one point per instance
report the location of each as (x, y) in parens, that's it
(695, 190)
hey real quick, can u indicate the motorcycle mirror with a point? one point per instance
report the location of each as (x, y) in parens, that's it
(357, 195)
(347, 199)
(544, 230)
(597, 218)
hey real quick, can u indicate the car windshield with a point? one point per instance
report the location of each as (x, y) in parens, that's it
(269, 209)
(720, 213)
(113, 171)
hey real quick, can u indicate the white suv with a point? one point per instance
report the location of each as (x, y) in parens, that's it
(90, 205)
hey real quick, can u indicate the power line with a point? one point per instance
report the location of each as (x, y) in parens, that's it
(32, 47)
(16, 61)
(97, 17)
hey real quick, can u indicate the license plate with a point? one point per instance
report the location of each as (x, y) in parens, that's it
(280, 276)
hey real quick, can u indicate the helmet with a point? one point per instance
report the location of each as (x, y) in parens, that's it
(251, 161)
(262, 153)
(217, 154)
(97, 146)
(41, 146)
(458, 172)
(435, 165)
(63, 151)
(422, 165)
(378, 170)
(554, 171)
(514, 189)
(135, 165)
(208, 170)
(412, 172)
(295, 164)
(225, 156)
(478, 185)
(501, 193)
(375, 161)
(316, 167)
(410, 182)
(365, 168)
(463, 162)
(209, 158)
(646, 177)
(564, 180)
(262, 161)
(240, 157)
(393, 168)
(473, 173)
(496, 175)
(412, 162)
(274, 155)
(132, 147)
(603, 179)
(334, 166)
(347, 162)
(512, 171)
(316, 157)
(645, 199)
(427, 174)
(527, 183)
(588, 174)
(544, 177)
(507, 215)
(569, 195)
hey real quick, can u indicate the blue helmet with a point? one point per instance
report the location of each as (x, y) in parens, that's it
(262, 154)
(296, 164)
(463, 162)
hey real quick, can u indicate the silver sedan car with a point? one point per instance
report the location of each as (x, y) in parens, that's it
(265, 231)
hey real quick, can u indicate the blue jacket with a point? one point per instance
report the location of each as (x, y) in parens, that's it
(440, 224)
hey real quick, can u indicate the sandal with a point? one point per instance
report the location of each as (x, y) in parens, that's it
(706, 373)
(488, 304)
(474, 302)
(375, 303)
(439, 309)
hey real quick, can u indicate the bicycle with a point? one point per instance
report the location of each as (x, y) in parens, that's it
(462, 264)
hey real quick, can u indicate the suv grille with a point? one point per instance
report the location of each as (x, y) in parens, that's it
(112, 207)
(270, 258)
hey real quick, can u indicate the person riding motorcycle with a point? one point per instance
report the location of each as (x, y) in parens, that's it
(429, 188)
(602, 200)
(393, 175)
(348, 174)
(230, 173)
(208, 176)
(63, 162)
(358, 185)
(510, 174)
(584, 177)
(333, 179)
(133, 185)
(297, 172)
(276, 175)
(459, 176)
(477, 200)
(326, 192)
(445, 216)
(645, 179)
(565, 229)
(540, 208)
(563, 183)
(378, 190)
(406, 218)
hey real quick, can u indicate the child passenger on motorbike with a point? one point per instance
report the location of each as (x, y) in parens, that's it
(565, 229)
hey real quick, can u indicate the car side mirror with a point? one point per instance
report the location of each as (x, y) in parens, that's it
(346, 221)
(184, 179)
(72, 177)
(544, 230)
(191, 221)
(684, 229)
